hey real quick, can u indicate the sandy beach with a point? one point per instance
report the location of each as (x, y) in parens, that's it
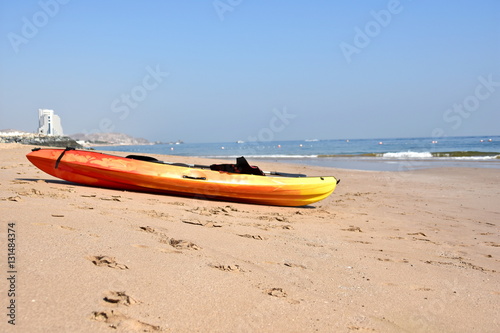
(415, 251)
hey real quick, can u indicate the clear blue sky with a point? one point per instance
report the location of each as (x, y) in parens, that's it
(213, 71)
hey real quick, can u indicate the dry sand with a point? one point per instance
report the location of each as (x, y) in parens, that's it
(414, 251)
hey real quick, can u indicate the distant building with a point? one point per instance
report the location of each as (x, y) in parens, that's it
(49, 123)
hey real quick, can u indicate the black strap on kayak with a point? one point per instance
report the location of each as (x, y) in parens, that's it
(143, 158)
(154, 160)
(62, 154)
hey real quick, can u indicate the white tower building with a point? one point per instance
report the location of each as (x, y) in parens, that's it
(49, 123)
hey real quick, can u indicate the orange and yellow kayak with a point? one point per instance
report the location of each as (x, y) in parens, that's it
(116, 172)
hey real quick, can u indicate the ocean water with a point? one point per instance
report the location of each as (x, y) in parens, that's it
(395, 154)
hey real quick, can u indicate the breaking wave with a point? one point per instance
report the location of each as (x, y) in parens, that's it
(456, 155)
(407, 155)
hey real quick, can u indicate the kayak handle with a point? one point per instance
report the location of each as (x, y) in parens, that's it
(192, 177)
(61, 156)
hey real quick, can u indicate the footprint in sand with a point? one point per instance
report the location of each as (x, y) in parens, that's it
(176, 203)
(67, 228)
(358, 241)
(280, 293)
(257, 237)
(116, 298)
(200, 211)
(154, 231)
(209, 224)
(148, 229)
(353, 229)
(278, 217)
(155, 214)
(112, 198)
(227, 268)
(276, 292)
(182, 244)
(16, 198)
(85, 207)
(163, 236)
(160, 249)
(227, 210)
(117, 320)
(417, 234)
(106, 262)
(30, 193)
(290, 264)
(164, 239)
(18, 182)
(385, 259)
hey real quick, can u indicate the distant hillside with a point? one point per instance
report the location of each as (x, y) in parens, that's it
(110, 138)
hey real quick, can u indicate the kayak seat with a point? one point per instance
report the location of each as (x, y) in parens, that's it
(242, 167)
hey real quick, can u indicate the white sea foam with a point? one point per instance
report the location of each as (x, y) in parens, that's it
(428, 155)
(262, 156)
(476, 158)
(407, 155)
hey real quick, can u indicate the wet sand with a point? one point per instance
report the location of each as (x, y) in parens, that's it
(415, 251)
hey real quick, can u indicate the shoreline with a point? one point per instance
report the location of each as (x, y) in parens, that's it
(386, 252)
(350, 163)
(289, 152)
(391, 165)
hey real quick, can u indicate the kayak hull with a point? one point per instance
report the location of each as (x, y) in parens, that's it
(109, 171)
